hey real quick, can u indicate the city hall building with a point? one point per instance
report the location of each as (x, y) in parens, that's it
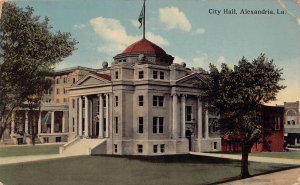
(143, 104)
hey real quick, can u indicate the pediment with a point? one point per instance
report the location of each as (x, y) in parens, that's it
(194, 79)
(91, 79)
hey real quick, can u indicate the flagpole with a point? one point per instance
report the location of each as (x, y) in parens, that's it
(144, 20)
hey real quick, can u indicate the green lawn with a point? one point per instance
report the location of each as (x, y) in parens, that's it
(107, 170)
(28, 150)
(286, 155)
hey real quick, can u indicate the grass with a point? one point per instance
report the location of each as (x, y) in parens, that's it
(108, 170)
(12, 151)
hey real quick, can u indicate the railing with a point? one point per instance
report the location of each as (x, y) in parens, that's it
(65, 146)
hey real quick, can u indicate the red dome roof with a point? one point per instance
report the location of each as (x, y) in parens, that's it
(144, 46)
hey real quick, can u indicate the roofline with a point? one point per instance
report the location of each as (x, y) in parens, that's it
(71, 69)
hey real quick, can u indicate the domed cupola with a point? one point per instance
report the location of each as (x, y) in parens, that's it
(144, 46)
(147, 51)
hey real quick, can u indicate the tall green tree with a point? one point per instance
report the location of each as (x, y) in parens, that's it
(29, 50)
(237, 96)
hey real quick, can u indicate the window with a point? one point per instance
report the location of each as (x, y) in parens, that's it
(158, 125)
(140, 148)
(161, 75)
(188, 113)
(74, 80)
(288, 122)
(98, 105)
(104, 101)
(65, 91)
(65, 80)
(73, 124)
(65, 100)
(57, 81)
(213, 125)
(116, 148)
(116, 125)
(141, 100)
(158, 101)
(116, 74)
(141, 125)
(57, 139)
(215, 145)
(57, 91)
(277, 123)
(162, 148)
(104, 124)
(141, 74)
(155, 74)
(155, 148)
(116, 101)
(73, 103)
(46, 140)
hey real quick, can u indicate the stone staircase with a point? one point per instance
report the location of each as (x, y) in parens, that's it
(84, 146)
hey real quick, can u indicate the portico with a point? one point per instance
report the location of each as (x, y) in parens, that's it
(93, 115)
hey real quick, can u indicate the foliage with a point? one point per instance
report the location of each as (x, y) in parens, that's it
(28, 52)
(237, 96)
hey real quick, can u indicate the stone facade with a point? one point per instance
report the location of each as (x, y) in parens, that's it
(143, 104)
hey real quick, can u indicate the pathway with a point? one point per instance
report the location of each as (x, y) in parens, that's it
(251, 158)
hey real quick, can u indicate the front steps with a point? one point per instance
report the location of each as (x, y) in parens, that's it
(84, 146)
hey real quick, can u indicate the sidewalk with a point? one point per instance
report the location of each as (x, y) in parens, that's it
(287, 177)
(251, 158)
(30, 158)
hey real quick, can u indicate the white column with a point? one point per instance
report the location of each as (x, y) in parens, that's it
(26, 122)
(183, 116)
(101, 116)
(175, 122)
(40, 122)
(80, 117)
(86, 116)
(199, 119)
(63, 122)
(52, 122)
(206, 125)
(107, 115)
(12, 123)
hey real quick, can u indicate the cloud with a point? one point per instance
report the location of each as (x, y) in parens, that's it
(298, 20)
(199, 31)
(79, 26)
(173, 18)
(200, 61)
(135, 23)
(178, 60)
(221, 60)
(115, 36)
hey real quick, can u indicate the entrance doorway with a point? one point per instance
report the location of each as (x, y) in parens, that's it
(188, 135)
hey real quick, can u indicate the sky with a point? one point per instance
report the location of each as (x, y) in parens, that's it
(189, 30)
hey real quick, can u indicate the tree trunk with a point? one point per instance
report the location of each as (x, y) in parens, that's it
(244, 162)
(32, 128)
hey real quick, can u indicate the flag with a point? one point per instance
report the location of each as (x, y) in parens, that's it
(141, 17)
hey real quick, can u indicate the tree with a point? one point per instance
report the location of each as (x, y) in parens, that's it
(28, 53)
(237, 96)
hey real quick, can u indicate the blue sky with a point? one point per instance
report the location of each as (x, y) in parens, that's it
(184, 29)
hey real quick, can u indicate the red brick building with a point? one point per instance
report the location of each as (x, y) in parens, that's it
(273, 140)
